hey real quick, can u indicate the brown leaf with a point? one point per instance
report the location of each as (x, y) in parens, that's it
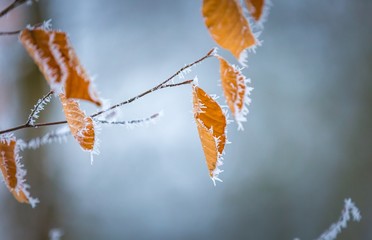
(12, 171)
(235, 90)
(57, 60)
(211, 124)
(256, 8)
(228, 26)
(81, 126)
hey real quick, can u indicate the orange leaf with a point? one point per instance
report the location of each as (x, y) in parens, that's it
(235, 90)
(228, 26)
(57, 60)
(12, 171)
(256, 8)
(211, 124)
(81, 126)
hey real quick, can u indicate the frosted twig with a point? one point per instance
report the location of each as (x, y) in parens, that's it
(58, 135)
(133, 122)
(38, 108)
(350, 212)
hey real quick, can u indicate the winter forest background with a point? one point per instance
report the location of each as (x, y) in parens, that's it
(306, 146)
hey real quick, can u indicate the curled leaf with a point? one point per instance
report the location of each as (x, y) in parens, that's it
(81, 126)
(211, 124)
(57, 60)
(12, 171)
(228, 26)
(236, 91)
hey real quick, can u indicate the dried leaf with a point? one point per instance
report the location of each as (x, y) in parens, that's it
(256, 8)
(81, 126)
(228, 26)
(12, 171)
(211, 124)
(236, 91)
(57, 60)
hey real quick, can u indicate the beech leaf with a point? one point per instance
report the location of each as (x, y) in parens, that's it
(12, 171)
(211, 124)
(57, 60)
(236, 91)
(81, 126)
(228, 26)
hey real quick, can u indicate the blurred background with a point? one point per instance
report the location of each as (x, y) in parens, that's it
(307, 144)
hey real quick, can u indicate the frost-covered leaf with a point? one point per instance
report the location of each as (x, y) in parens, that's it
(13, 172)
(57, 60)
(211, 124)
(236, 91)
(81, 126)
(228, 26)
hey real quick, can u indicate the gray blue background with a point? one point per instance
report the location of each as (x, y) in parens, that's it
(307, 144)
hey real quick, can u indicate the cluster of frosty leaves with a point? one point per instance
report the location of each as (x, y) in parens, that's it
(53, 53)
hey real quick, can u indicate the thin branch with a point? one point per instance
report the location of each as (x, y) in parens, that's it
(137, 121)
(141, 95)
(19, 31)
(23, 126)
(10, 33)
(12, 6)
(161, 85)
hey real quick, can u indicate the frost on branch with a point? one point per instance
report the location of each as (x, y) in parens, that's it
(211, 124)
(59, 135)
(135, 123)
(236, 91)
(57, 60)
(229, 27)
(350, 212)
(39, 106)
(12, 170)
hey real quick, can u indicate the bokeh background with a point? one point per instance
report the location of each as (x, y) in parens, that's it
(307, 144)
